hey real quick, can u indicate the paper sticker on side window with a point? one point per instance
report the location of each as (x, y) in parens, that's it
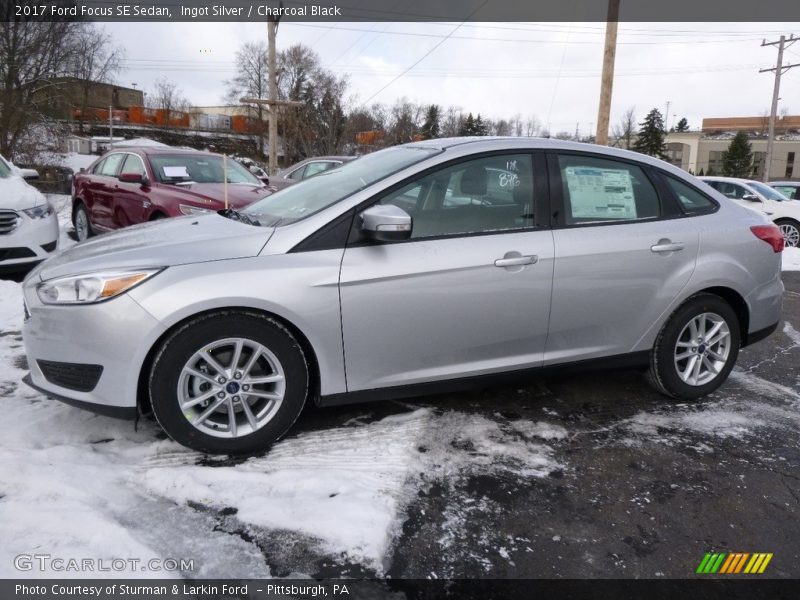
(600, 193)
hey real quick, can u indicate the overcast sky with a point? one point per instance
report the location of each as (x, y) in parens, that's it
(550, 70)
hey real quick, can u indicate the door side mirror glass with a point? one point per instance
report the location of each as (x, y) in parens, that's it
(386, 223)
(750, 197)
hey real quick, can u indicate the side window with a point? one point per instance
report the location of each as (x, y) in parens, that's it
(488, 194)
(297, 174)
(315, 168)
(788, 191)
(98, 167)
(133, 164)
(111, 165)
(692, 201)
(598, 190)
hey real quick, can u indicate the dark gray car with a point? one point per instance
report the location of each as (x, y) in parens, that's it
(307, 168)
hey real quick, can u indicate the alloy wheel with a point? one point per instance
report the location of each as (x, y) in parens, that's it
(81, 225)
(791, 234)
(702, 349)
(231, 388)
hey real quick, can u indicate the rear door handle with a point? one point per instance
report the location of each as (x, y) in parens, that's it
(516, 261)
(667, 246)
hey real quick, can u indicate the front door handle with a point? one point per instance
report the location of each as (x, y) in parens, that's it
(516, 261)
(667, 246)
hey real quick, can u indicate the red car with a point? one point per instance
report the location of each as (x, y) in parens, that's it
(135, 185)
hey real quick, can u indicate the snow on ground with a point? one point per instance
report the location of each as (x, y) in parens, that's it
(76, 161)
(791, 259)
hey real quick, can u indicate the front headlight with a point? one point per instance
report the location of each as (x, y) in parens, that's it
(193, 210)
(91, 287)
(40, 212)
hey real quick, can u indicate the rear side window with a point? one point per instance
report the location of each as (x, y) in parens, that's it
(788, 191)
(598, 190)
(692, 201)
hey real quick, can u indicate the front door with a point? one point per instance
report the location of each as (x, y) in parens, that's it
(468, 294)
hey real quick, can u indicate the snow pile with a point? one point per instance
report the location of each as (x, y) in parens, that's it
(139, 143)
(711, 421)
(76, 161)
(791, 259)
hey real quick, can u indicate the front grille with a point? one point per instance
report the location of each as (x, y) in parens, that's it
(73, 376)
(8, 221)
(14, 253)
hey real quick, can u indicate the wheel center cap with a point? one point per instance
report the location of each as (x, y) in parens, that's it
(701, 349)
(232, 387)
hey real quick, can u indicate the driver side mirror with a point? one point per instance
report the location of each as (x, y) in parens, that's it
(750, 197)
(133, 178)
(386, 223)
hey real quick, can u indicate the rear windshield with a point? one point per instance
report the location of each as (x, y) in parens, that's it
(5, 171)
(203, 168)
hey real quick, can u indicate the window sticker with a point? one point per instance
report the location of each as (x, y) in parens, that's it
(179, 171)
(600, 193)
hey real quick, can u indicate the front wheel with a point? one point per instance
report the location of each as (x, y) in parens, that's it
(80, 220)
(229, 383)
(791, 232)
(696, 349)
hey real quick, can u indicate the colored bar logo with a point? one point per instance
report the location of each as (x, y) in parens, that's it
(731, 563)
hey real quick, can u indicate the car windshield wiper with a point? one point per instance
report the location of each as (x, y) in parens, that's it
(235, 215)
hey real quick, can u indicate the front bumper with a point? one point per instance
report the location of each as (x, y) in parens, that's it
(115, 335)
(31, 241)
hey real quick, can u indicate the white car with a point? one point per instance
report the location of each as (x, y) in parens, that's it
(28, 223)
(760, 197)
(790, 189)
(21, 171)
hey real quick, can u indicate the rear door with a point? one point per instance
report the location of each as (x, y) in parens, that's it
(622, 255)
(468, 294)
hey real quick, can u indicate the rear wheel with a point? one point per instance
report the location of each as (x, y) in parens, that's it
(696, 349)
(229, 383)
(791, 232)
(80, 220)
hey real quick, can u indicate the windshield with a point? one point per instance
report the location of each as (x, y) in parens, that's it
(767, 191)
(321, 191)
(5, 170)
(199, 168)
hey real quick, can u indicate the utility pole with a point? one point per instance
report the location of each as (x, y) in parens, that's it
(779, 69)
(607, 80)
(666, 117)
(272, 32)
(110, 127)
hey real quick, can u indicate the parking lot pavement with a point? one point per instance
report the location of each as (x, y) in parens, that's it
(591, 475)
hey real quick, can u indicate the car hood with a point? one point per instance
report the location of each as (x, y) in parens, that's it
(213, 194)
(164, 243)
(17, 194)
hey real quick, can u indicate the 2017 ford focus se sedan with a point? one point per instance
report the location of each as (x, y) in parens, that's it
(418, 268)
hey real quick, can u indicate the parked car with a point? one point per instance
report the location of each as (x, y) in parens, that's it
(762, 198)
(28, 223)
(23, 172)
(135, 185)
(307, 168)
(790, 189)
(566, 255)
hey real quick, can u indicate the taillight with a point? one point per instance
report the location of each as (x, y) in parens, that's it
(770, 234)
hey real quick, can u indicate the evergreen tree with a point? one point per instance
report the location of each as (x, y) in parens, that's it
(651, 135)
(683, 125)
(480, 126)
(430, 128)
(468, 126)
(737, 161)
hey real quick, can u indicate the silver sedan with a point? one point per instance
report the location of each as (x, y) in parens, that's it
(427, 267)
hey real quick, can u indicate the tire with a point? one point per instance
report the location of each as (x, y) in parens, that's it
(82, 233)
(791, 232)
(669, 362)
(201, 426)
(158, 216)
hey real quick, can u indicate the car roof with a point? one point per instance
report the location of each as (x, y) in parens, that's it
(730, 179)
(786, 183)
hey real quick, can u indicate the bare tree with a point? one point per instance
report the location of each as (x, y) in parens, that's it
(625, 130)
(532, 126)
(318, 126)
(251, 80)
(168, 96)
(453, 122)
(32, 58)
(94, 58)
